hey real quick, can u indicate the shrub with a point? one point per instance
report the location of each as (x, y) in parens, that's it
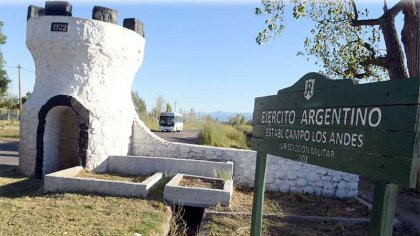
(151, 122)
(220, 135)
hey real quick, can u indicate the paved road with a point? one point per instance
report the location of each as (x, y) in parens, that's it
(185, 136)
(9, 151)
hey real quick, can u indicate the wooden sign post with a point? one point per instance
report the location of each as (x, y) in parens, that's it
(366, 129)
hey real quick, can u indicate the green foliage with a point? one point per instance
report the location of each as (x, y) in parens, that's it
(343, 50)
(26, 97)
(151, 122)
(158, 107)
(9, 102)
(139, 104)
(220, 135)
(169, 107)
(151, 119)
(4, 81)
(239, 119)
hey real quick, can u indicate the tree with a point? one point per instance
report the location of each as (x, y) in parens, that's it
(4, 81)
(9, 102)
(168, 107)
(158, 106)
(139, 104)
(26, 97)
(347, 46)
(238, 119)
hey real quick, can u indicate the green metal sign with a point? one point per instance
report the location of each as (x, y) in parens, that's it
(365, 129)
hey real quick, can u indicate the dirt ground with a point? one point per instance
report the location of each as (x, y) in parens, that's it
(201, 182)
(238, 223)
(408, 205)
(297, 204)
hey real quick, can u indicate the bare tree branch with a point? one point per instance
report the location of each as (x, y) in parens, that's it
(356, 15)
(385, 6)
(366, 22)
(397, 8)
(379, 61)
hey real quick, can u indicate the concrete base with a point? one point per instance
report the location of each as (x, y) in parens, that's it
(65, 181)
(198, 197)
(141, 165)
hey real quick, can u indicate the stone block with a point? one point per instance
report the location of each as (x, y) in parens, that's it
(342, 185)
(353, 185)
(194, 196)
(328, 192)
(58, 8)
(327, 185)
(284, 187)
(35, 12)
(135, 25)
(301, 182)
(66, 181)
(341, 194)
(296, 189)
(105, 14)
(292, 174)
(317, 191)
(309, 189)
(321, 171)
(326, 178)
(312, 177)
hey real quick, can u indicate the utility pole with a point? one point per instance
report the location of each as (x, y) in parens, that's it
(175, 106)
(20, 90)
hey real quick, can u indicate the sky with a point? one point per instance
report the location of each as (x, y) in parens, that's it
(201, 54)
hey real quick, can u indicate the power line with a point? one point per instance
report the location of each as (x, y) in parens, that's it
(23, 68)
(27, 70)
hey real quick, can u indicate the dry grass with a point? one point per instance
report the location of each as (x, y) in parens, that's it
(298, 204)
(112, 176)
(241, 225)
(188, 181)
(25, 210)
(150, 122)
(9, 133)
(9, 129)
(220, 135)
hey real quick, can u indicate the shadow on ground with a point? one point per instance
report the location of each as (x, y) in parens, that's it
(10, 145)
(23, 186)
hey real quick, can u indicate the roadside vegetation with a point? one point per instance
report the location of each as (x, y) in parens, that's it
(235, 134)
(192, 119)
(26, 210)
(10, 115)
(240, 225)
(9, 129)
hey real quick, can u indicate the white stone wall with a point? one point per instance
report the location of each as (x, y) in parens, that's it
(95, 62)
(282, 174)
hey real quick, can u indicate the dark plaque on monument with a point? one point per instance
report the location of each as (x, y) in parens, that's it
(59, 26)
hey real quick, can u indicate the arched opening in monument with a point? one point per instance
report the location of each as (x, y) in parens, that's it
(61, 140)
(62, 135)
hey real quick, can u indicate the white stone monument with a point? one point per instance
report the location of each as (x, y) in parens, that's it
(80, 111)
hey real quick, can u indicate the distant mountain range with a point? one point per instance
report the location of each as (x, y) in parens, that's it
(224, 116)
